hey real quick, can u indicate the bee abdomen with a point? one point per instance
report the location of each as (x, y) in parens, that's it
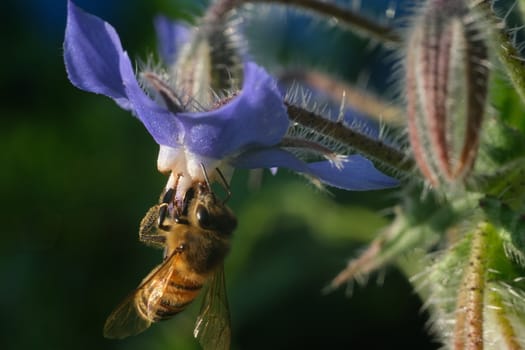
(185, 287)
(174, 299)
(167, 309)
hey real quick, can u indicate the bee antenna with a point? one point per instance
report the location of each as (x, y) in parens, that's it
(223, 180)
(225, 185)
(206, 178)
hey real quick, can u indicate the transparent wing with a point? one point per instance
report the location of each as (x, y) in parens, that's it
(126, 320)
(212, 328)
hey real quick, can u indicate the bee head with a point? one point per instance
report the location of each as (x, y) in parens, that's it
(209, 213)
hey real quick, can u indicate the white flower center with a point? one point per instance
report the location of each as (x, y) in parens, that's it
(186, 168)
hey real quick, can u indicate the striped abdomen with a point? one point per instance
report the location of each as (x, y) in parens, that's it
(161, 299)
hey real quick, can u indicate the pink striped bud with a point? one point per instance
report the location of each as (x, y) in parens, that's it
(446, 89)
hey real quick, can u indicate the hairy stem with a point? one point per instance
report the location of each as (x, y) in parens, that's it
(218, 10)
(499, 310)
(370, 147)
(359, 99)
(353, 20)
(468, 331)
(360, 24)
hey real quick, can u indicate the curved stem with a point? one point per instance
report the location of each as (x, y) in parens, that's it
(359, 99)
(353, 20)
(370, 147)
(360, 24)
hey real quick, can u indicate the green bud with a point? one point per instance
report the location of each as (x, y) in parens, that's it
(209, 63)
(446, 89)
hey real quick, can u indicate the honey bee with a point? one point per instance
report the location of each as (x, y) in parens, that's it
(195, 235)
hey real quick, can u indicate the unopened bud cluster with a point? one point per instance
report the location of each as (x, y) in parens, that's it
(446, 89)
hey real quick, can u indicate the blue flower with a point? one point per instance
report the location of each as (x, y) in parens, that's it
(244, 132)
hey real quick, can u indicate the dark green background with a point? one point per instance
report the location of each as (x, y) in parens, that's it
(77, 175)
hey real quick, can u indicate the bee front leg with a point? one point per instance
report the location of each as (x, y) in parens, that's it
(152, 230)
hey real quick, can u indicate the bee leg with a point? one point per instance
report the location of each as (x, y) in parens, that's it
(224, 184)
(150, 232)
(168, 196)
(178, 250)
(153, 239)
(163, 213)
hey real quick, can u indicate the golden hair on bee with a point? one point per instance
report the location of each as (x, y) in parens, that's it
(195, 235)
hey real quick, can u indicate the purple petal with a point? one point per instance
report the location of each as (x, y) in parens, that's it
(92, 54)
(160, 123)
(96, 62)
(269, 158)
(358, 174)
(171, 35)
(257, 117)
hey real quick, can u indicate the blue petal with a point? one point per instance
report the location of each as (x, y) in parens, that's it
(257, 117)
(159, 122)
(96, 62)
(172, 35)
(92, 53)
(358, 174)
(269, 158)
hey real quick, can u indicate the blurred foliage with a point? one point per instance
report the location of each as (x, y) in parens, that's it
(78, 175)
(507, 102)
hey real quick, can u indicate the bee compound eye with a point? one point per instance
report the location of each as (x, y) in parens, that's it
(203, 217)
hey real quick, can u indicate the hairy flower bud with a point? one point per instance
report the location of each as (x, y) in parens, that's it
(446, 89)
(209, 63)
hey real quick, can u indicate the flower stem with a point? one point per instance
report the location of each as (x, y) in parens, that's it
(373, 148)
(219, 9)
(360, 24)
(468, 332)
(500, 312)
(359, 99)
(356, 22)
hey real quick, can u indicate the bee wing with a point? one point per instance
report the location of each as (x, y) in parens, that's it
(126, 319)
(212, 328)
